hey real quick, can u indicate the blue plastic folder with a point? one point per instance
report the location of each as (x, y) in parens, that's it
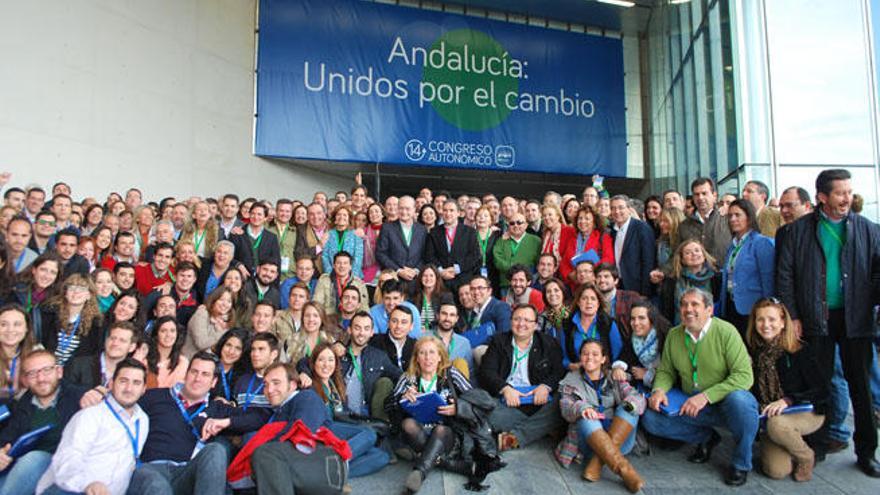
(4, 413)
(424, 409)
(590, 255)
(479, 335)
(28, 441)
(528, 399)
(797, 408)
(676, 399)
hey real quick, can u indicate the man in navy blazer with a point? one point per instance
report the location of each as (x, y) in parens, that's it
(401, 244)
(634, 247)
(452, 247)
(487, 309)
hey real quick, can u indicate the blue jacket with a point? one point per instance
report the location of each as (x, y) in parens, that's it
(351, 244)
(498, 313)
(753, 273)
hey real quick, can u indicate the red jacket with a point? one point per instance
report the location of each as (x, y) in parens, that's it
(145, 281)
(298, 434)
(604, 249)
(567, 245)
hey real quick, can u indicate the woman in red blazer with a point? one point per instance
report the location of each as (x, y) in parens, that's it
(559, 239)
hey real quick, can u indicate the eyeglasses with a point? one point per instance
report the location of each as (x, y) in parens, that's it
(49, 223)
(77, 288)
(46, 371)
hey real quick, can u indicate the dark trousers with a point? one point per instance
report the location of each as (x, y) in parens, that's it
(856, 358)
(281, 469)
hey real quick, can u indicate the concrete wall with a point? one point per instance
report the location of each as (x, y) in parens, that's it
(106, 94)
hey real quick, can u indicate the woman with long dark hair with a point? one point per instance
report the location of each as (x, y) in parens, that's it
(165, 365)
(330, 386)
(427, 295)
(233, 350)
(16, 342)
(588, 321)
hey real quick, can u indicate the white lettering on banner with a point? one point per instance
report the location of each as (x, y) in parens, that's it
(458, 153)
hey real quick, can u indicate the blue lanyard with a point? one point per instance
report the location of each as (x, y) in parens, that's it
(248, 396)
(132, 438)
(225, 378)
(187, 417)
(10, 387)
(648, 343)
(66, 339)
(20, 261)
(597, 386)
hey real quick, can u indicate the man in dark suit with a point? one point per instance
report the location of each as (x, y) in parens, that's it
(487, 309)
(401, 244)
(256, 244)
(397, 343)
(96, 371)
(66, 243)
(634, 247)
(452, 248)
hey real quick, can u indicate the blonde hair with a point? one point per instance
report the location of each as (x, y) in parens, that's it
(677, 270)
(675, 217)
(414, 370)
(558, 211)
(788, 338)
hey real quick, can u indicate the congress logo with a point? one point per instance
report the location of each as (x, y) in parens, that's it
(415, 150)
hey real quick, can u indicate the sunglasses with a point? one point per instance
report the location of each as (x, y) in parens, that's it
(520, 222)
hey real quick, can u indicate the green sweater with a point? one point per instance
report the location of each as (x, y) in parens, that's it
(527, 254)
(832, 236)
(723, 363)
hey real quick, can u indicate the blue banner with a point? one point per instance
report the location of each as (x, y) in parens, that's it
(350, 80)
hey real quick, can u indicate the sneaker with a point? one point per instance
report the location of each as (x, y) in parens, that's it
(507, 441)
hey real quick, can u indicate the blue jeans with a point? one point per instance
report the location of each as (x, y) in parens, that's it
(366, 458)
(54, 490)
(25, 473)
(204, 474)
(875, 380)
(838, 406)
(738, 412)
(586, 427)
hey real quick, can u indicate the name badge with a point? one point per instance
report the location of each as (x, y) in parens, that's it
(285, 264)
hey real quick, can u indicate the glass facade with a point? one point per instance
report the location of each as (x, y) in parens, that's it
(773, 90)
(692, 108)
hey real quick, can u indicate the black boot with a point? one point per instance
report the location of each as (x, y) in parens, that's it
(704, 450)
(427, 460)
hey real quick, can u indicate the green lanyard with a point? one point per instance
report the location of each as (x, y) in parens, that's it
(514, 247)
(197, 240)
(255, 245)
(356, 365)
(340, 236)
(29, 305)
(735, 252)
(451, 347)
(260, 294)
(309, 349)
(406, 237)
(167, 272)
(484, 245)
(423, 388)
(517, 357)
(692, 355)
(830, 231)
(282, 234)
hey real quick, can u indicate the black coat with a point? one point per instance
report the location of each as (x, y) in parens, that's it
(545, 363)
(801, 379)
(89, 345)
(800, 274)
(84, 371)
(268, 250)
(383, 343)
(465, 253)
(22, 411)
(76, 264)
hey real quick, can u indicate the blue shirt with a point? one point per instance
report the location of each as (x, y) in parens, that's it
(380, 319)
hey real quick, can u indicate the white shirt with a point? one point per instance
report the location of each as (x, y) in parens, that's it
(619, 240)
(95, 447)
(519, 376)
(703, 331)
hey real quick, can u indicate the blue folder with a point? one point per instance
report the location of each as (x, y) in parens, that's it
(424, 409)
(4, 413)
(28, 441)
(528, 399)
(479, 336)
(590, 255)
(797, 408)
(676, 399)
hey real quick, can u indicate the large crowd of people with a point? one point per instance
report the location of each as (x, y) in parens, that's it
(202, 345)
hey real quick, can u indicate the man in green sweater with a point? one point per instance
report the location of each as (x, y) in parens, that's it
(706, 359)
(516, 247)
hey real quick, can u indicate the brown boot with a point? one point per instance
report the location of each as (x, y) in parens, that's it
(803, 470)
(618, 431)
(605, 450)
